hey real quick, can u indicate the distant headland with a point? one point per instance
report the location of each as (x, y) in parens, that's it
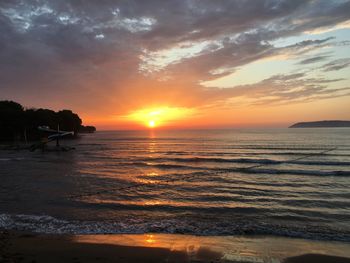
(321, 124)
(18, 123)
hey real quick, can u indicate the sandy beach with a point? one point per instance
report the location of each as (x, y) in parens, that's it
(26, 247)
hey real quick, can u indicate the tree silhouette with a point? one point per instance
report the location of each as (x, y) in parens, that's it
(11, 120)
(17, 123)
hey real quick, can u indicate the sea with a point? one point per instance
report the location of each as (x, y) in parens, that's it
(271, 182)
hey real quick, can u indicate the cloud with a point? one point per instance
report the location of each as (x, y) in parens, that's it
(157, 60)
(281, 90)
(117, 55)
(313, 60)
(336, 65)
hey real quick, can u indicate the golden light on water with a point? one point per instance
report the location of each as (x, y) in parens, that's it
(150, 239)
(157, 117)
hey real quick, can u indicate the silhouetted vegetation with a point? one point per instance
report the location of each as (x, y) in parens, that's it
(87, 129)
(17, 123)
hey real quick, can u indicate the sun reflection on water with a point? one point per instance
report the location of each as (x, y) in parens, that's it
(152, 147)
(150, 203)
(150, 239)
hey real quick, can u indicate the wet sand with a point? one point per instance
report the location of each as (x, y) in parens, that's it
(317, 258)
(28, 248)
(34, 248)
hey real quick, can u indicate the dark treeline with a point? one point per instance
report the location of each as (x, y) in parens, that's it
(17, 123)
(87, 129)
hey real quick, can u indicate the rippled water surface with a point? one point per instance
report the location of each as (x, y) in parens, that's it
(287, 182)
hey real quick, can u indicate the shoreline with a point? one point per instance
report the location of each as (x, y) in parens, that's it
(35, 248)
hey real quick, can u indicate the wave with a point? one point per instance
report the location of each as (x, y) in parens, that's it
(209, 153)
(12, 159)
(176, 208)
(327, 163)
(291, 171)
(289, 147)
(301, 159)
(186, 225)
(222, 160)
(244, 161)
(256, 169)
(252, 208)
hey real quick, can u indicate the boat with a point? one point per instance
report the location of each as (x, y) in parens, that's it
(58, 134)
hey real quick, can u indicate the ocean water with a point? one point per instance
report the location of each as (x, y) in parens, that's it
(280, 182)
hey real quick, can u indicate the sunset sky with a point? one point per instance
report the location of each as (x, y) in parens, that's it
(179, 64)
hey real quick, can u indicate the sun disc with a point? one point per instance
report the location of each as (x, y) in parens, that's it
(151, 123)
(158, 117)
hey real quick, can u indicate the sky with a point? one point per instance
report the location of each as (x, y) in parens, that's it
(179, 64)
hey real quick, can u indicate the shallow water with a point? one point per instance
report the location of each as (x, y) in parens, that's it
(285, 182)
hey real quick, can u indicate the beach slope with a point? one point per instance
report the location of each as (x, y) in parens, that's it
(34, 248)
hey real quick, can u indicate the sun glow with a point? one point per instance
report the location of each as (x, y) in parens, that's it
(151, 123)
(155, 117)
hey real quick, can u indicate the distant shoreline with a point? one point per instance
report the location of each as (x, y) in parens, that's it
(322, 124)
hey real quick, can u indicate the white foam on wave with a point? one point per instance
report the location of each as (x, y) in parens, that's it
(50, 225)
(12, 159)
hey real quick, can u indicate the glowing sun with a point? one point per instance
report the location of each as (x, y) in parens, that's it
(151, 123)
(157, 117)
